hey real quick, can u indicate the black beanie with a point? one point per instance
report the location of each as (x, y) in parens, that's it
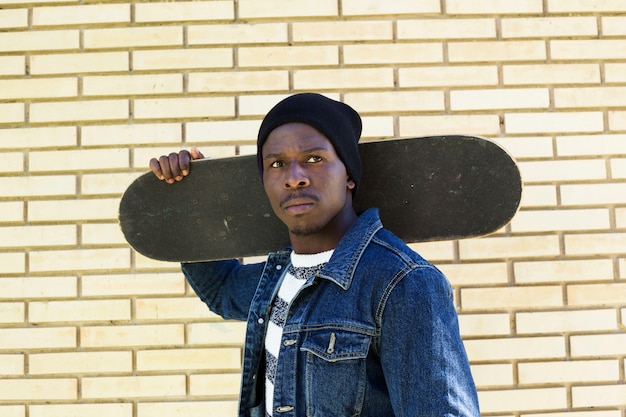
(340, 123)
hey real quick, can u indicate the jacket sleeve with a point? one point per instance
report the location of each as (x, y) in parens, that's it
(226, 287)
(422, 354)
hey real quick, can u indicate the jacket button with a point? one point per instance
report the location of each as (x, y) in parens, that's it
(284, 409)
(279, 267)
(260, 320)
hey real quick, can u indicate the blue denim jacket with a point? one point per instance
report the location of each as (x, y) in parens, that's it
(375, 334)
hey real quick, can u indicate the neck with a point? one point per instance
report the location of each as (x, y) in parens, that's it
(327, 238)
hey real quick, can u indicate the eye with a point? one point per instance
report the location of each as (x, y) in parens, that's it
(314, 159)
(276, 164)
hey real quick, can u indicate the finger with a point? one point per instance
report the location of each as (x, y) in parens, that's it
(183, 163)
(164, 163)
(156, 168)
(196, 154)
(174, 162)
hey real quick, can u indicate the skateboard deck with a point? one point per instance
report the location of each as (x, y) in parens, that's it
(427, 189)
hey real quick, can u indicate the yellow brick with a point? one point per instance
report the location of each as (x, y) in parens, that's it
(554, 122)
(222, 385)
(12, 19)
(38, 88)
(12, 211)
(490, 375)
(184, 107)
(25, 236)
(599, 396)
(233, 34)
(601, 194)
(565, 170)
(81, 15)
(589, 97)
(222, 131)
(78, 160)
(239, 81)
(102, 234)
(515, 348)
(463, 76)
(494, 7)
(565, 321)
(189, 359)
(115, 183)
(396, 101)
(41, 40)
(617, 120)
(586, 49)
(13, 262)
(37, 339)
(12, 65)
(132, 336)
(81, 410)
(13, 162)
(259, 105)
(342, 31)
(464, 274)
(72, 363)
(597, 345)
(166, 386)
(183, 59)
(122, 85)
(497, 51)
(560, 220)
(570, 270)
(509, 247)
(79, 260)
(591, 145)
(618, 168)
(484, 324)
(392, 53)
(72, 210)
(494, 299)
(171, 308)
(620, 217)
(37, 186)
(77, 311)
(428, 29)
(133, 37)
(596, 294)
(132, 284)
(40, 287)
(580, 6)
(543, 27)
(529, 399)
(576, 244)
(11, 112)
(518, 98)
(527, 147)
(131, 134)
(188, 409)
(615, 73)
(537, 74)
(378, 127)
(570, 371)
(12, 312)
(77, 63)
(478, 124)
(83, 110)
(38, 137)
(38, 389)
(218, 333)
(13, 410)
(252, 9)
(11, 364)
(184, 11)
(396, 7)
(343, 78)
(435, 251)
(287, 56)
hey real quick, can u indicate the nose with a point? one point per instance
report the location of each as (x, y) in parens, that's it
(296, 177)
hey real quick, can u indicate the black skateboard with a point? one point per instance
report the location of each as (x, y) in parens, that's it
(432, 188)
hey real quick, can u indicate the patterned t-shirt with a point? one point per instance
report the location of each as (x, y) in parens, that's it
(302, 268)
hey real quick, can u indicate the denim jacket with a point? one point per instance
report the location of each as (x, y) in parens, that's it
(374, 334)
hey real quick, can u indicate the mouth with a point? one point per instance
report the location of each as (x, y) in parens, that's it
(298, 204)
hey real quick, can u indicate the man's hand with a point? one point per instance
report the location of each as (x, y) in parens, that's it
(175, 166)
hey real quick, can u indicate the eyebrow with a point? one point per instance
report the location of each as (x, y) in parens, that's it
(306, 151)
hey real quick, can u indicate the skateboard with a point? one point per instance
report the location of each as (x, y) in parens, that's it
(426, 189)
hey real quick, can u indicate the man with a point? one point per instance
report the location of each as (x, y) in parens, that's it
(348, 321)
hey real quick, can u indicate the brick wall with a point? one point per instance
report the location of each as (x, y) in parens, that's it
(90, 91)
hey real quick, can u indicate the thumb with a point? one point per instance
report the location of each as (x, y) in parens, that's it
(195, 153)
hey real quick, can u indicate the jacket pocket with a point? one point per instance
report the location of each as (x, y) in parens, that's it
(335, 371)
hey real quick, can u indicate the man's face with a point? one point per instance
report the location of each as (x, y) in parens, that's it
(305, 180)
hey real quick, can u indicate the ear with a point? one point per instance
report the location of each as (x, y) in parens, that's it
(351, 184)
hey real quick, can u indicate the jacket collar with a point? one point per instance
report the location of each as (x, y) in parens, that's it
(340, 269)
